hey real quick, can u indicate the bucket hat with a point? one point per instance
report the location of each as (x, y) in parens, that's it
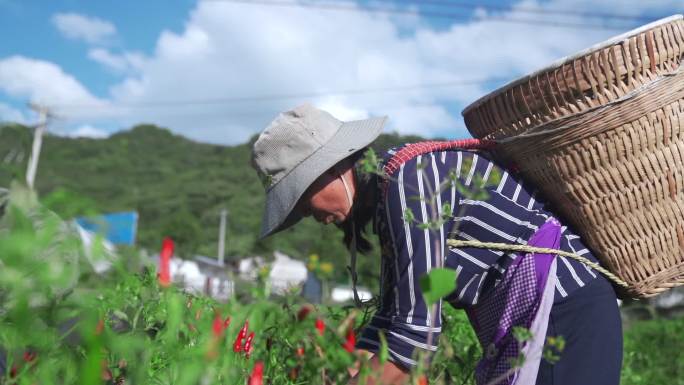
(297, 148)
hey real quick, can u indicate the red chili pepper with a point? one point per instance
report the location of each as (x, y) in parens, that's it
(248, 344)
(29, 356)
(106, 374)
(237, 345)
(300, 352)
(350, 342)
(100, 327)
(303, 312)
(422, 380)
(165, 255)
(257, 376)
(294, 373)
(226, 323)
(320, 326)
(217, 326)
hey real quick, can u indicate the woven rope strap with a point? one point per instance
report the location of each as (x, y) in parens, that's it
(412, 150)
(541, 250)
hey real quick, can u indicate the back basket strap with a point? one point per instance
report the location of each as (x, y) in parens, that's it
(413, 150)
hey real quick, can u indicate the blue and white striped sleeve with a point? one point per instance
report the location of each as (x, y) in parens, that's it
(410, 322)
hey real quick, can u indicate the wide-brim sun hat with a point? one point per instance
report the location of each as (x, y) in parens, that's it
(297, 148)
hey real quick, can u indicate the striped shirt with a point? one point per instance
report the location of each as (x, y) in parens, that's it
(485, 203)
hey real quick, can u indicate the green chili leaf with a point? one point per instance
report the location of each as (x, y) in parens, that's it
(383, 354)
(522, 334)
(437, 284)
(408, 215)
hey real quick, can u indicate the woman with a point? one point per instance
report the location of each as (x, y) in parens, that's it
(309, 163)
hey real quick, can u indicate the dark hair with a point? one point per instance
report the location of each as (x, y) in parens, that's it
(363, 208)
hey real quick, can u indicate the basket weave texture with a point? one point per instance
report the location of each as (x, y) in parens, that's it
(602, 135)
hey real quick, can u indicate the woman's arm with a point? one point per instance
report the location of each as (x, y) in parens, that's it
(407, 321)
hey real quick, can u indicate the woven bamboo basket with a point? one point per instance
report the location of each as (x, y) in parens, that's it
(601, 133)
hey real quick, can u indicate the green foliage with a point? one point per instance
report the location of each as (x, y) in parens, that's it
(521, 334)
(553, 349)
(383, 353)
(653, 353)
(178, 187)
(409, 217)
(437, 283)
(370, 163)
(125, 326)
(62, 323)
(458, 353)
(184, 230)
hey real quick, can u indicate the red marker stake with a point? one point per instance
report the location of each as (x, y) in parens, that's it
(164, 274)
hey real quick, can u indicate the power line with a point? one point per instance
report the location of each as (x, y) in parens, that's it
(535, 11)
(272, 97)
(353, 7)
(270, 113)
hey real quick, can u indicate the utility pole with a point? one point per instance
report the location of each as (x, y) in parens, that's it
(222, 237)
(32, 167)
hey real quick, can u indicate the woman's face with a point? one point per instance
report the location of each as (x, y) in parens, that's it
(326, 199)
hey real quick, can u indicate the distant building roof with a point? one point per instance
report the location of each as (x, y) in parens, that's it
(208, 261)
(285, 272)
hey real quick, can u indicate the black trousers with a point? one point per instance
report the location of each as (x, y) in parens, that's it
(589, 321)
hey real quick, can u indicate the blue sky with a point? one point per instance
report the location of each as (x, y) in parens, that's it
(35, 36)
(211, 69)
(138, 25)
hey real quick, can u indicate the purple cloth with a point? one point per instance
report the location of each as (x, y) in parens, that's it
(514, 302)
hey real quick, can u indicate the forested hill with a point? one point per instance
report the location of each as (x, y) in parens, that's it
(178, 187)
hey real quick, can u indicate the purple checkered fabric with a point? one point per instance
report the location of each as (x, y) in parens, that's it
(512, 303)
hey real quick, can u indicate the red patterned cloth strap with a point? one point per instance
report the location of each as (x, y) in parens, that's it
(412, 150)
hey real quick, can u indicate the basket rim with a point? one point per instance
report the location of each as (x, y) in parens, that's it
(562, 61)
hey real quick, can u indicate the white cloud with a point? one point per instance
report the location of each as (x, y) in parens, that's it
(43, 82)
(339, 110)
(107, 59)
(428, 120)
(127, 62)
(81, 27)
(230, 51)
(88, 131)
(236, 50)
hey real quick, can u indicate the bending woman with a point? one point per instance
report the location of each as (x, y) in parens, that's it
(309, 163)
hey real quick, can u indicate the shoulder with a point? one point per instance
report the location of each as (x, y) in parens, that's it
(410, 158)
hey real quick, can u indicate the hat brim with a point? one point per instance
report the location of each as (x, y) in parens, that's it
(282, 197)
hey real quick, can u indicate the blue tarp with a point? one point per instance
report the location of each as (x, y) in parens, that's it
(117, 228)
